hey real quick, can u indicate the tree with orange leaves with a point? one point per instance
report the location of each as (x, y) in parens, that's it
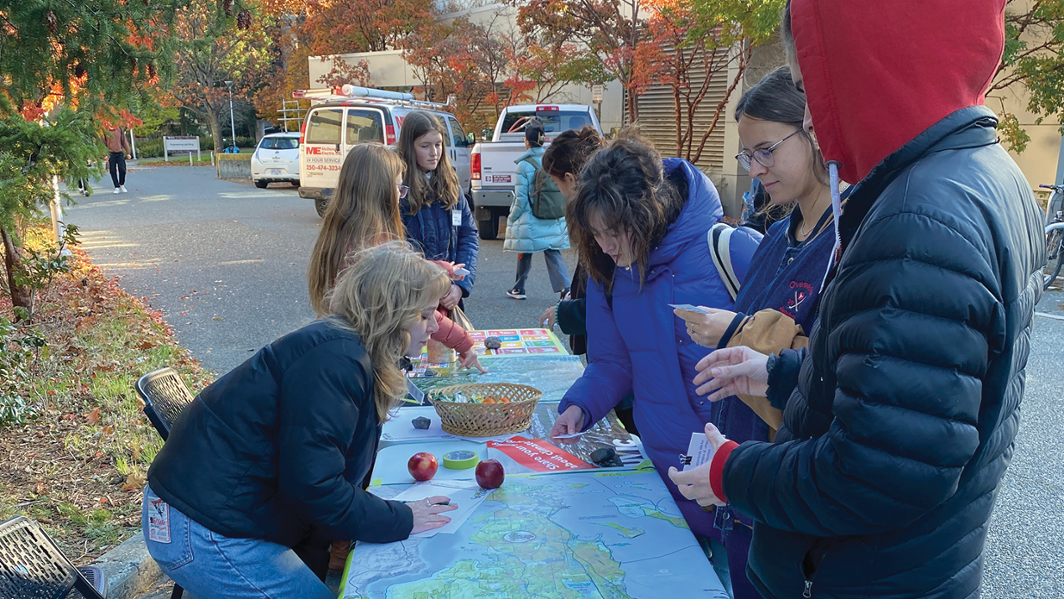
(611, 33)
(63, 64)
(699, 44)
(212, 47)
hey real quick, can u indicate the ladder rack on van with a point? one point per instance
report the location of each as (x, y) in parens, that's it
(348, 91)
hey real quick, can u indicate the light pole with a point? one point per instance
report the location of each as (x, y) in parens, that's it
(232, 122)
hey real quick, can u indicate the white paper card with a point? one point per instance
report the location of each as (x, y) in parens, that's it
(465, 494)
(699, 452)
(456, 218)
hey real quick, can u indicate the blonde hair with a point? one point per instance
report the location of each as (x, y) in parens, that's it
(443, 183)
(363, 211)
(383, 291)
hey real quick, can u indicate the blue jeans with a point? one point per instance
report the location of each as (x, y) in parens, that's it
(208, 564)
(559, 275)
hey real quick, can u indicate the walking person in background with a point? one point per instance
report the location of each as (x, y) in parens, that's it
(435, 211)
(118, 150)
(530, 228)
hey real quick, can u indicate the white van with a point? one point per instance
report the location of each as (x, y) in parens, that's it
(343, 117)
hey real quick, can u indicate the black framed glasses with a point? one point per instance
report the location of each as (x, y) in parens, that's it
(762, 156)
(403, 190)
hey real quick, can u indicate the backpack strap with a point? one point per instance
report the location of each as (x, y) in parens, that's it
(718, 238)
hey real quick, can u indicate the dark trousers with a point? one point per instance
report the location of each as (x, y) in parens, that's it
(117, 164)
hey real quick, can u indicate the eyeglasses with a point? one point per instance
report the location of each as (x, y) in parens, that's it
(403, 190)
(762, 156)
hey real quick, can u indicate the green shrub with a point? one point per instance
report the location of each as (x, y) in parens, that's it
(18, 349)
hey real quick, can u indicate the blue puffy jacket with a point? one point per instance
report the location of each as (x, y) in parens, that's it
(524, 232)
(431, 231)
(640, 345)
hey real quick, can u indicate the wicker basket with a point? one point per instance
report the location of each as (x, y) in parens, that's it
(486, 419)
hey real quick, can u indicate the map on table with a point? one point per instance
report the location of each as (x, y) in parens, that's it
(553, 375)
(514, 342)
(580, 534)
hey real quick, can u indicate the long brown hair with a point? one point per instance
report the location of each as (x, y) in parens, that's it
(381, 293)
(363, 211)
(624, 186)
(442, 184)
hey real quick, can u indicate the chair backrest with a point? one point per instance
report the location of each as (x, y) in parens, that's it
(32, 566)
(165, 396)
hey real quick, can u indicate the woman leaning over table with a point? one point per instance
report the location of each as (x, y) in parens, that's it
(273, 453)
(775, 305)
(640, 224)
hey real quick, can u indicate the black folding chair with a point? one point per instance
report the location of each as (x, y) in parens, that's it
(32, 566)
(164, 396)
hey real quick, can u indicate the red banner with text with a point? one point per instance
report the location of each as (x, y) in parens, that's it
(539, 455)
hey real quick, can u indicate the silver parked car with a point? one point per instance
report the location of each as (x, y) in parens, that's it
(276, 159)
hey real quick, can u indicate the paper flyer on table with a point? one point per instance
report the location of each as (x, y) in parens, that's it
(466, 495)
(699, 451)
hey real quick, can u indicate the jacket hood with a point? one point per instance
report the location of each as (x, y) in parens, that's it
(529, 153)
(877, 75)
(700, 212)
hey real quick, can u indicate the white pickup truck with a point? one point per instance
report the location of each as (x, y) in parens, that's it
(494, 172)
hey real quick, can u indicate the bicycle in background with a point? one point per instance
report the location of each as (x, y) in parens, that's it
(1054, 235)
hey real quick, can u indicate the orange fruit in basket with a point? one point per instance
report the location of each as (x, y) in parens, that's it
(489, 400)
(504, 399)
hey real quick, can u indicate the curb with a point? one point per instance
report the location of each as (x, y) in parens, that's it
(129, 569)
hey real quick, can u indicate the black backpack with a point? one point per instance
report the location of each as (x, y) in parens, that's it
(548, 202)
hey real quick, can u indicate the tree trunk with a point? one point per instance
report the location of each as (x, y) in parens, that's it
(216, 132)
(20, 296)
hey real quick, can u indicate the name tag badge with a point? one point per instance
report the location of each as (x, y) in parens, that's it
(456, 218)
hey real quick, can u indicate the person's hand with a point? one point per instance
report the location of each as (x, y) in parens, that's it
(694, 483)
(455, 267)
(450, 300)
(549, 318)
(571, 421)
(706, 329)
(449, 268)
(428, 513)
(731, 371)
(469, 359)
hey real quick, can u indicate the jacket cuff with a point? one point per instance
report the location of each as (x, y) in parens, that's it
(783, 369)
(464, 285)
(572, 316)
(716, 469)
(730, 331)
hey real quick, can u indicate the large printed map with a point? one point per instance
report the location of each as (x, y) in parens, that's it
(607, 535)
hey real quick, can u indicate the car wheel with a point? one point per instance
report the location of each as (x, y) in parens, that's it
(261, 184)
(320, 204)
(489, 229)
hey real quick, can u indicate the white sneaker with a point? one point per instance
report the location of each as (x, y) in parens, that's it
(123, 188)
(117, 190)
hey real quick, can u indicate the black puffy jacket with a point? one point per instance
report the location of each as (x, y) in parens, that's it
(883, 477)
(278, 448)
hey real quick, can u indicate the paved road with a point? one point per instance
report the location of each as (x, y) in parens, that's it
(225, 262)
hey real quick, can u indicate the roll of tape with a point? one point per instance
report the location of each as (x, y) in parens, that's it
(460, 460)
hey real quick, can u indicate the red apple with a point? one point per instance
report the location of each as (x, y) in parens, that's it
(422, 465)
(490, 474)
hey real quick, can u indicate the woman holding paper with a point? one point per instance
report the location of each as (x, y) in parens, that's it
(640, 223)
(272, 455)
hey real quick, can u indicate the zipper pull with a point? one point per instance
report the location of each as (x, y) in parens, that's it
(808, 592)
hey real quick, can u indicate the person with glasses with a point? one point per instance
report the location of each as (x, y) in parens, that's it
(775, 305)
